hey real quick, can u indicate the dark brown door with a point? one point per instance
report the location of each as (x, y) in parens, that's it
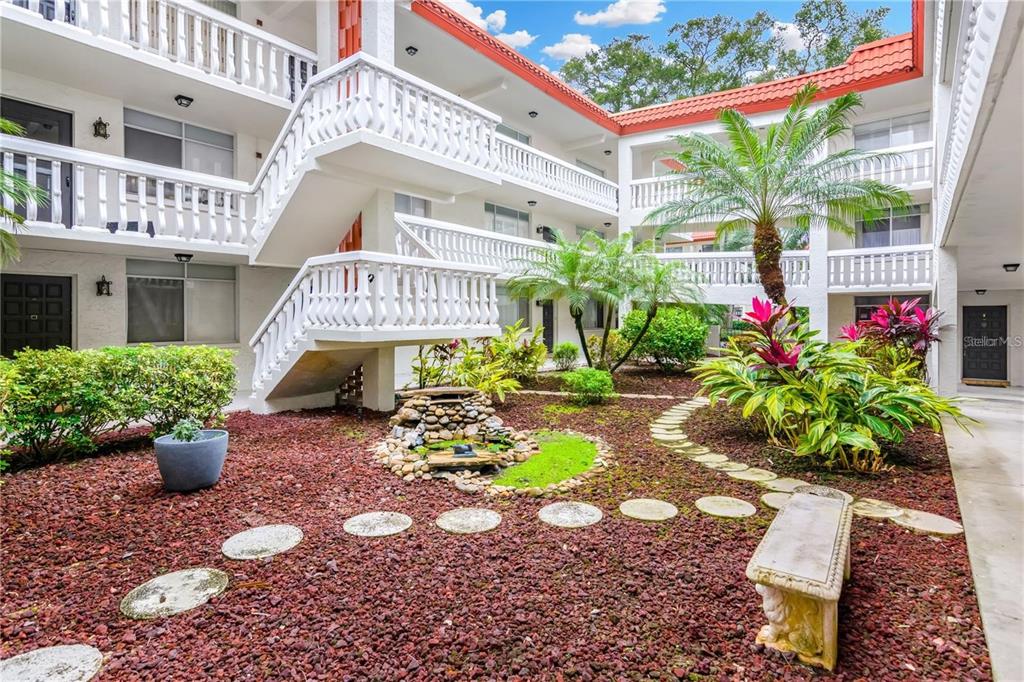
(36, 312)
(547, 318)
(984, 342)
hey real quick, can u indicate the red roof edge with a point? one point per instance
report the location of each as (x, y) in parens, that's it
(775, 94)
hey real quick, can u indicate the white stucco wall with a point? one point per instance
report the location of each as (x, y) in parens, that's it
(1013, 299)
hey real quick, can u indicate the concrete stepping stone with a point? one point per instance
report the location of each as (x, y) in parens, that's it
(824, 491)
(753, 474)
(668, 422)
(377, 524)
(570, 514)
(173, 593)
(783, 485)
(647, 509)
(710, 458)
(655, 432)
(726, 507)
(668, 437)
(699, 450)
(875, 509)
(262, 542)
(775, 500)
(926, 522)
(63, 663)
(727, 466)
(466, 520)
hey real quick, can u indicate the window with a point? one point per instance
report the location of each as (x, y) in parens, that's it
(588, 167)
(894, 132)
(511, 310)
(166, 142)
(509, 131)
(902, 227)
(181, 302)
(412, 205)
(226, 6)
(863, 306)
(506, 220)
(593, 315)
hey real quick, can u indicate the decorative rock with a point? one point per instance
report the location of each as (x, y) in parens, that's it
(875, 509)
(377, 524)
(926, 522)
(726, 466)
(174, 593)
(753, 474)
(570, 514)
(469, 520)
(726, 507)
(783, 485)
(709, 458)
(63, 663)
(775, 500)
(824, 491)
(258, 543)
(647, 509)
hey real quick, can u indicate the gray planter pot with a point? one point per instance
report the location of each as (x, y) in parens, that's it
(187, 466)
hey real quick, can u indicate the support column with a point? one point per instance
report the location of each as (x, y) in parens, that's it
(378, 35)
(379, 377)
(326, 33)
(815, 297)
(379, 380)
(379, 222)
(944, 361)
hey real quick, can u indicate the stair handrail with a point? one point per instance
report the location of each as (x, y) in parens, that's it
(402, 231)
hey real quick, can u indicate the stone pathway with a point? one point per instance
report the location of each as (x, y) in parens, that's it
(775, 500)
(466, 520)
(64, 663)
(725, 507)
(262, 542)
(570, 514)
(174, 593)
(377, 524)
(647, 509)
(924, 522)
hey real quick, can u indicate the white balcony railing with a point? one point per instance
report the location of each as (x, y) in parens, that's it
(885, 268)
(737, 268)
(191, 34)
(526, 164)
(362, 291)
(651, 193)
(110, 196)
(913, 166)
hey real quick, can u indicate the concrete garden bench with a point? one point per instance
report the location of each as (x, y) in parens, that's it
(799, 568)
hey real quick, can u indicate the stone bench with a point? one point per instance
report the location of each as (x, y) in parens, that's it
(799, 568)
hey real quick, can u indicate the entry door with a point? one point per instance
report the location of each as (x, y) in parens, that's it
(44, 125)
(984, 342)
(548, 320)
(35, 311)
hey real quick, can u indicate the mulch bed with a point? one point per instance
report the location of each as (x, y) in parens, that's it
(630, 379)
(618, 600)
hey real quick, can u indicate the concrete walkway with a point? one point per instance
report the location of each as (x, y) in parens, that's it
(988, 470)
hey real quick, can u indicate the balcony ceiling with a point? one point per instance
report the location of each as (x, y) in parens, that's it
(988, 226)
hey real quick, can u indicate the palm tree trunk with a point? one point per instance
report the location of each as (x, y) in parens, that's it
(636, 342)
(768, 257)
(604, 337)
(578, 319)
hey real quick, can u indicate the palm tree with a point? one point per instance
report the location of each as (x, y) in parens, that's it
(782, 178)
(18, 189)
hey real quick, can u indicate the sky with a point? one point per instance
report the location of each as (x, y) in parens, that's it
(551, 31)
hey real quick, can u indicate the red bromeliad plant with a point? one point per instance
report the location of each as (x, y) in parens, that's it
(896, 333)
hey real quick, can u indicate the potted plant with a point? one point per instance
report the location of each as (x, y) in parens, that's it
(191, 457)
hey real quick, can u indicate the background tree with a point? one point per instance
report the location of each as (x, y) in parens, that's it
(759, 183)
(709, 54)
(18, 189)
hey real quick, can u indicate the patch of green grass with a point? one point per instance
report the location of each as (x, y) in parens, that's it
(561, 456)
(559, 408)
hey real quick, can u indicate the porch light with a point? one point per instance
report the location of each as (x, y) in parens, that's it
(533, 114)
(531, 203)
(1011, 267)
(103, 286)
(412, 50)
(607, 224)
(183, 100)
(183, 257)
(607, 152)
(981, 292)
(100, 128)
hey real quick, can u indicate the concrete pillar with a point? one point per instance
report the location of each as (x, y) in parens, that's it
(944, 363)
(815, 297)
(326, 33)
(378, 34)
(379, 222)
(379, 380)
(625, 177)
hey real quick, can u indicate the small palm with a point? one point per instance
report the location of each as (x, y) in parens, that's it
(20, 192)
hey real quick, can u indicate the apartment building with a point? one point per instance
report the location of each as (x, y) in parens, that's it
(324, 185)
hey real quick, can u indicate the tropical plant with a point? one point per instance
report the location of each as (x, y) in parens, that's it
(781, 178)
(676, 338)
(461, 363)
(187, 430)
(897, 333)
(588, 386)
(605, 348)
(520, 357)
(818, 399)
(565, 355)
(17, 190)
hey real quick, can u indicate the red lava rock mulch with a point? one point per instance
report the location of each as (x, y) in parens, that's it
(618, 600)
(630, 379)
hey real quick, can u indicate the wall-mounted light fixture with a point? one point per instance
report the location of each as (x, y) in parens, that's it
(531, 203)
(981, 292)
(607, 152)
(100, 128)
(1011, 267)
(539, 303)
(183, 257)
(533, 114)
(103, 286)
(607, 224)
(183, 100)
(412, 50)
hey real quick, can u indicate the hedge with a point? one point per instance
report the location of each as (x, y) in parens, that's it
(676, 338)
(61, 401)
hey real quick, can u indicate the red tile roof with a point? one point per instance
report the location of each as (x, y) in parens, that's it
(873, 65)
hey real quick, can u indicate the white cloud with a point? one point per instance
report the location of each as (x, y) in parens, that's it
(516, 39)
(790, 35)
(495, 21)
(571, 45)
(622, 12)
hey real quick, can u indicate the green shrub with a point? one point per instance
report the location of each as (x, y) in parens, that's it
(61, 401)
(676, 338)
(565, 355)
(520, 357)
(613, 350)
(460, 363)
(589, 386)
